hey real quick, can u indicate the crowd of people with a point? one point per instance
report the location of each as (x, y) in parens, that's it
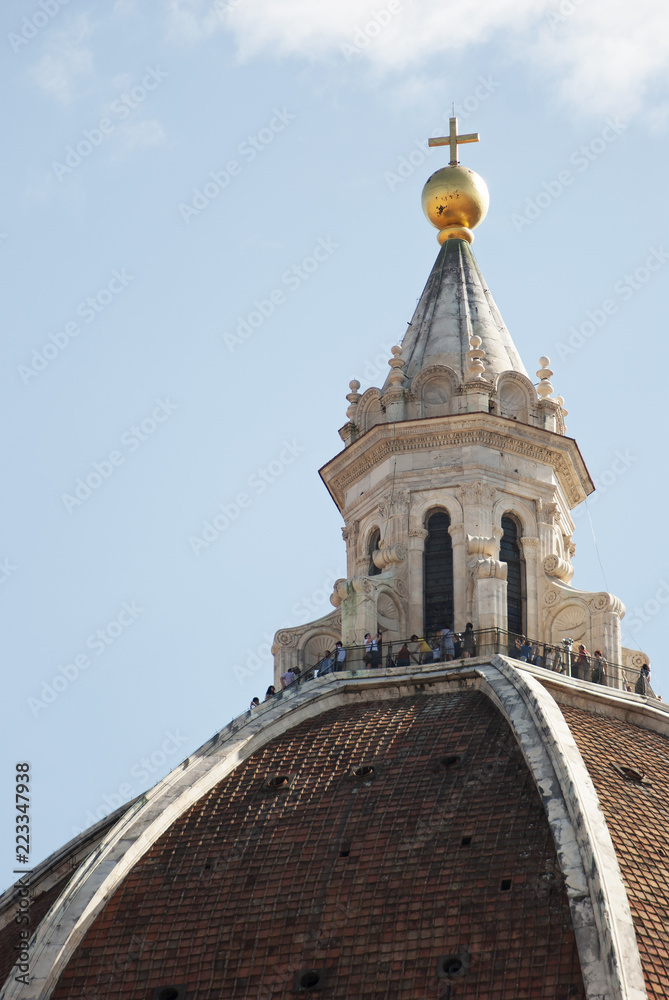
(448, 645)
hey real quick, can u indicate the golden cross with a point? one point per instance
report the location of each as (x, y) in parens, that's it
(453, 140)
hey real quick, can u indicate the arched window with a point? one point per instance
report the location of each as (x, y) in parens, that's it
(509, 552)
(438, 573)
(372, 546)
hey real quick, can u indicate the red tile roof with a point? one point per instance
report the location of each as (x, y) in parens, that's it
(371, 881)
(638, 818)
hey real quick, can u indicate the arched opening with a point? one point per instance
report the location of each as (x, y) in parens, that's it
(510, 553)
(438, 573)
(372, 546)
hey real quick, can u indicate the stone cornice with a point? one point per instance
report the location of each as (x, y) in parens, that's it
(455, 431)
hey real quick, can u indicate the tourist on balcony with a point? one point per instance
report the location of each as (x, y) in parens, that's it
(599, 665)
(326, 665)
(339, 656)
(469, 641)
(446, 646)
(581, 668)
(403, 656)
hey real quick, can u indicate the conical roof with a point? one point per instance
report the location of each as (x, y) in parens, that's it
(455, 305)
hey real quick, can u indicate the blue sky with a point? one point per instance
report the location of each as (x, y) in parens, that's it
(170, 169)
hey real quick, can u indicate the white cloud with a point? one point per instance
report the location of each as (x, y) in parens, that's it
(143, 134)
(66, 62)
(600, 55)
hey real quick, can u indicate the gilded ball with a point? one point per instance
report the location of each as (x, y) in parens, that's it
(455, 196)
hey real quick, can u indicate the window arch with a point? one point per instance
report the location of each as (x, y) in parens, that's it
(372, 546)
(510, 553)
(438, 573)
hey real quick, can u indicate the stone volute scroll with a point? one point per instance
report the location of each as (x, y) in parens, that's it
(559, 568)
(388, 555)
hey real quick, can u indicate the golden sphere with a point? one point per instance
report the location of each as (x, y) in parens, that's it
(455, 198)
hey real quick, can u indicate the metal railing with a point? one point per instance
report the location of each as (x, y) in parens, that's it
(398, 653)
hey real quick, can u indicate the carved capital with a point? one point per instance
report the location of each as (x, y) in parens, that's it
(419, 534)
(397, 502)
(548, 513)
(529, 543)
(477, 494)
(350, 532)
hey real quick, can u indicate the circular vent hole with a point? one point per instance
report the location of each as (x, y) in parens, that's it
(310, 980)
(452, 966)
(364, 771)
(169, 993)
(450, 761)
(278, 781)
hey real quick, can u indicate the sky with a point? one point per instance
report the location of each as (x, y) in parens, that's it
(169, 347)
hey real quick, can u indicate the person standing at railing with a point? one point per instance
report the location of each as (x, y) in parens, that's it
(642, 685)
(326, 665)
(525, 650)
(287, 679)
(446, 647)
(372, 649)
(469, 641)
(599, 666)
(339, 656)
(403, 656)
(581, 668)
(548, 657)
(425, 650)
(515, 648)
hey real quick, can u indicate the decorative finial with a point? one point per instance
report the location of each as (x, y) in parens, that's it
(396, 363)
(455, 199)
(544, 389)
(560, 402)
(476, 367)
(354, 398)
